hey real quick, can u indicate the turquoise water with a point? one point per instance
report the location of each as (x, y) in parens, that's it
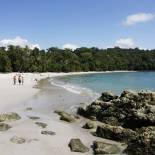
(113, 82)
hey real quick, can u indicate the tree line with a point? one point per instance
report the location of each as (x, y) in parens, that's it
(18, 59)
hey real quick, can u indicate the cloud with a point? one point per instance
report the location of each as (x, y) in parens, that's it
(138, 18)
(18, 41)
(125, 43)
(70, 46)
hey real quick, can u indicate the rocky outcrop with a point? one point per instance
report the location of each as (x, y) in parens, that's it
(4, 127)
(128, 118)
(65, 116)
(130, 110)
(9, 117)
(143, 144)
(77, 146)
(105, 148)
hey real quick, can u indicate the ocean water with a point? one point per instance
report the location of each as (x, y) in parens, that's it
(114, 82)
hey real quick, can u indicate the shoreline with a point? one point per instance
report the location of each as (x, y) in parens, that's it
(13, 95)
(43, 103)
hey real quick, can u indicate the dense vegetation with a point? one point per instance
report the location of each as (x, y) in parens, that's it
(15, 58)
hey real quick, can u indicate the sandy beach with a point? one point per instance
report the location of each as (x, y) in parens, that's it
(29, 101)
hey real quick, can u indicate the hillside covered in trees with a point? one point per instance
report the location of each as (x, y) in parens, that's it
(15, 58)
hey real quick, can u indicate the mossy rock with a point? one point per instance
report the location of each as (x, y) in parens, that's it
(17, 140)
(4, 127)
(89, 125)
(48, 133)
(77, 146)
(65, 116)
(105, 148)
(9, 117)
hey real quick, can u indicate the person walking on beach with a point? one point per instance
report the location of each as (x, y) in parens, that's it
(19, 79)
(14, 79)
(22, 78)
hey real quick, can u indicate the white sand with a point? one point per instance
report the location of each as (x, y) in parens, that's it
(36, 144)
(11, 95)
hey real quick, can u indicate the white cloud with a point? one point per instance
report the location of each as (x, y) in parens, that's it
(138, 18)
(125, 43)
(18, 41)
(70, 46)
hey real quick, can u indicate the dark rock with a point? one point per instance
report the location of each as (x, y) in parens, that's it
(105, 148)
(77, 146)
(81, 111)
(144, 144)
(17, 140)
(107, 96)
(9, 117)
(116, 133)
(4, 127)
(48, 133)
(89, 125)
(111, 121)
(43, 125)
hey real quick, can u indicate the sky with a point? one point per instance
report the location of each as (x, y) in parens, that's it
(78, 23)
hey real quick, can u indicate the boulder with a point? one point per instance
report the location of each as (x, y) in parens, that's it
(107, 96)
(77, 146)
(4, 127)
(9, 117)
(65, 116)
(40, 124)
(105, 148)
(17, 140)
(48, 133)
(116, 133)
(89, 125)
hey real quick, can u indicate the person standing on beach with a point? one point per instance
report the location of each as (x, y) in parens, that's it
(19, 79)
(14, 79)
(22, 78)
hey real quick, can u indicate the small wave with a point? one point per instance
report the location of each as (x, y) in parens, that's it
(75, 88)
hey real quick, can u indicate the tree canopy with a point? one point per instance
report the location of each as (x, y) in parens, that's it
(15, 58)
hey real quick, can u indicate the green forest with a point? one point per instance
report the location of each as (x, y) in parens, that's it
(18, 59)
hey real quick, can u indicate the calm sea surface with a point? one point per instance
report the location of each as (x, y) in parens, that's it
(114, 82)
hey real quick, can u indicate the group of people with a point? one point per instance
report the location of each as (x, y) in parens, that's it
(18, 78)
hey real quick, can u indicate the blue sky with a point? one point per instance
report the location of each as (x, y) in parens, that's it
(76, 23)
